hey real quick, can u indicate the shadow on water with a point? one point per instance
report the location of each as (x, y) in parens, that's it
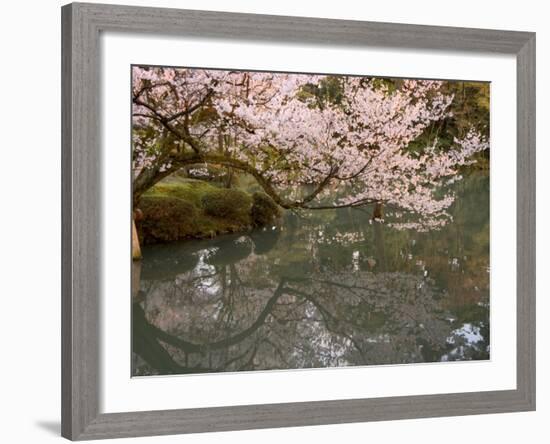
(328, 289)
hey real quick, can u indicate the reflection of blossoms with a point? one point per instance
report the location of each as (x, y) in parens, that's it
(465, 340)
(339, 238)
(422, 226)
(224, 318)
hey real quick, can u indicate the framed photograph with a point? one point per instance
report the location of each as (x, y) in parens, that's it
(278, 221)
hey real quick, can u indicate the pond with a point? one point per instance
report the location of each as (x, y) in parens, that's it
(326, 289)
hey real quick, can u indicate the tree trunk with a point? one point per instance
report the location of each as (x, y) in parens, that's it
(229, 178)
(149, 177)
(136, 250)
(136, 277)
(380, 247)
(378, 212)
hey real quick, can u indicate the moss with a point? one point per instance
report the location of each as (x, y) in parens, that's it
(264, 210)
(228, 204)
(190, 190)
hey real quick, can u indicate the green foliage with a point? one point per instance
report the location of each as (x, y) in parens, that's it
(328, 91)
(264, 210)
(228, 203)
(385, 83)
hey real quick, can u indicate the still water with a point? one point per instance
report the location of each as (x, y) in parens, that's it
(325, 289)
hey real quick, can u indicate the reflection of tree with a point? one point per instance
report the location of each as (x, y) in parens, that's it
(332, 289)
(345, 319)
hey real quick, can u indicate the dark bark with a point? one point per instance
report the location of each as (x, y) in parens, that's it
(149, 177)
(378, 212)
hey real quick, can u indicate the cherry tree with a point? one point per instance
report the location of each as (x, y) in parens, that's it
(303, 153)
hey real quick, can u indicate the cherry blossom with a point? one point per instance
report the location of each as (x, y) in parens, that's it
(305, 155)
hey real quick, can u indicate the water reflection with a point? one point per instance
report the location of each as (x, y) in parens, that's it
(322, 290)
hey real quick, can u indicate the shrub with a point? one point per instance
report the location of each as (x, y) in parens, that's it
(264, 210)
(233, 205)
(166, 218)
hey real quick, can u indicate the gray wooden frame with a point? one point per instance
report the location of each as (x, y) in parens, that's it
(81, 166)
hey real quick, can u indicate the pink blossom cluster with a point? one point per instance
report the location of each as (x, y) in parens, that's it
(355, 149)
